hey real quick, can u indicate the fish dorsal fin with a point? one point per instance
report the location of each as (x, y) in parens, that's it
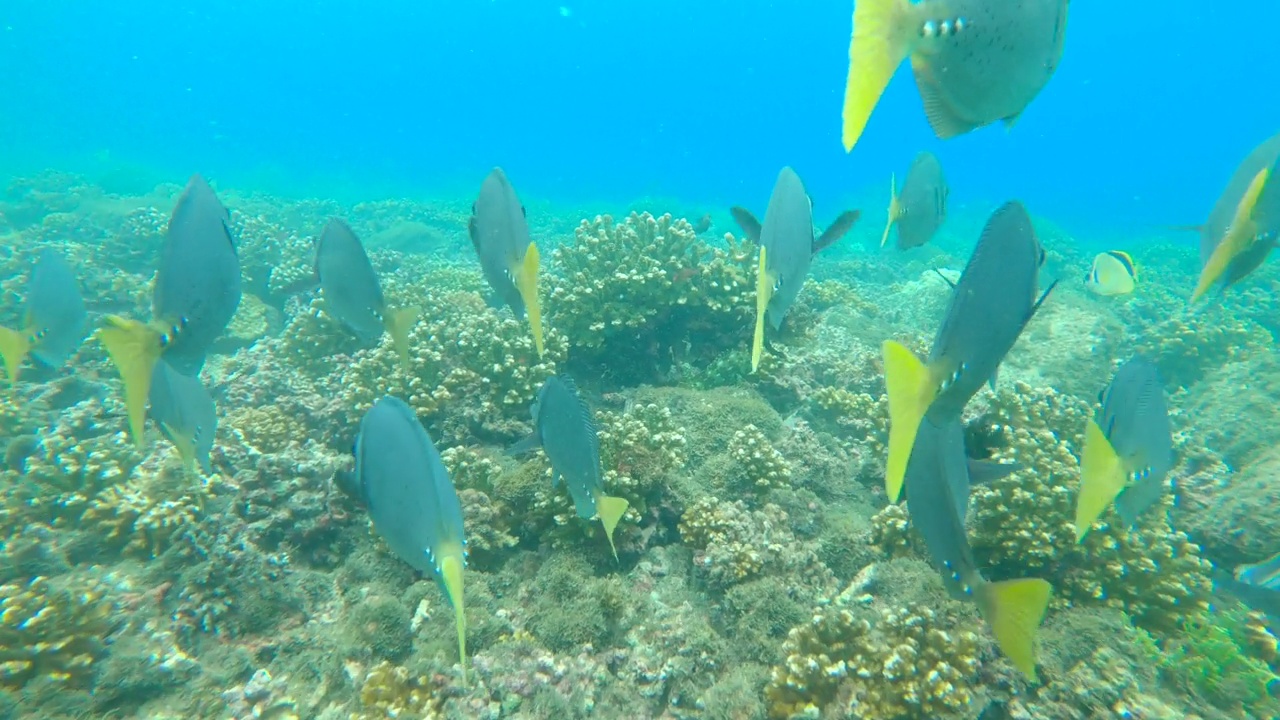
(472, 231)
(837, 230)
(748, 222)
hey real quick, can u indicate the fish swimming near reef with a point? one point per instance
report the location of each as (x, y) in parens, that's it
(183, 409)
(919, 210)
(1128, 448)
(703, 224)
(1264, 574)
(402, 480)
(975, 61)
(994, 299)
(1244, 224)
(938, 481)
(1112, 273)
(197, 291)
(352, 294)
(54, 321)
(509, 258)
(563, 428)
(787, 247)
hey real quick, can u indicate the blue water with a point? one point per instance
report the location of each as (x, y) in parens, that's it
(606, 101)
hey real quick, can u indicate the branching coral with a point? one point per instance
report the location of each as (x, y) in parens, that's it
(735, 544)
(1186, 346)
(64, 474)
(895, 664)
(757, 466)
(51, 630)
(127, 518)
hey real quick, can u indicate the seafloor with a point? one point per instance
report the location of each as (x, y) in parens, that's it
(761, 573)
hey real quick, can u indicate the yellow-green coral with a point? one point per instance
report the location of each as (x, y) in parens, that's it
(891, 531)
(128, 518)
(1187, 345)
(735, 544)
(853, 417)
(757, 465)
(50, 630)
(391, 691)
(897, 663)
(64, 474)
(267, 428)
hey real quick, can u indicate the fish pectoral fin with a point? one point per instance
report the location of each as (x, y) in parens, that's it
(764, 293)
(985, 471)
(748, 222)
(527, 283)
(451, 578)
(1013, 610)
(882, 38)
(836, 230)
(134, 348)
(14, 346)
(398, 323)
(1010, 121)
(991, 381)
(911, 389)
(1237, 239)
(525, 445)
(610, 510)
(894, 209)
(1102, 477)
(942, 118)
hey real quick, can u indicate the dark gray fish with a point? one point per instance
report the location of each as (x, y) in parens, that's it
(1135, 419)
(500, 234)
(54, 320)
(703, 224)
(411, 499)
(938, 484)
(348, 284)
(1244, 225)
(563, 428)
(197, 287)
(183, 409)
(920, 209)
(976, 62)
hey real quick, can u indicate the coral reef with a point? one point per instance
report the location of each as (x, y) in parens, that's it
(52, 629)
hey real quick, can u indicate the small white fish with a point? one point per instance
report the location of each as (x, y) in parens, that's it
(1112, 273)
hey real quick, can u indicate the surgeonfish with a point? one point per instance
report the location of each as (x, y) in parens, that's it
(1264, 574)
(921, 207)
(937, 502)
(414, 506)
(1128, 447)
(1244, 224)
(352, 294)
(563, 428)
(54, 321)
(787, 247)
(975, 61)
(1112, 273)
(507, 255)
(183, 409)
(197, 290)
(994, 299)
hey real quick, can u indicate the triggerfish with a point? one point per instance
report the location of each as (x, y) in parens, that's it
(185, 413)
(921, 207)
(352, 294)
(414, 506)
(1112, 273)
(938, 483)
(1244, 224)
(994, 299)
(563, 428)
(54, 322)
(1128, 448)
(509, 258)
(975, 61)
(197, 290)
(787, 247)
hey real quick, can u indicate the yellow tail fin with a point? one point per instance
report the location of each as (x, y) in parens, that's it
(893, 209)
(881, 40)
(527, 284)
(1102, 477)
(1013, 609)
(134, 348)
(610, 510)
(398, 324)
(14, 347)
(764, 293)
(910, 388)
(451, 574)
(1237, 238)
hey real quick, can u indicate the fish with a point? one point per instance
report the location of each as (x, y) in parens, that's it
(975, 62)
(352, 294)
(994, 299)
(402, 480)
(197, 291)
(563, 428)
(54, 321)
(921, 207)
(508, 257)
(185, 413)
(787, 247)
(1264, 574)
(1244, 224)
(703, 224)
(1128, 447)
(1112, 273)
(937, 501)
